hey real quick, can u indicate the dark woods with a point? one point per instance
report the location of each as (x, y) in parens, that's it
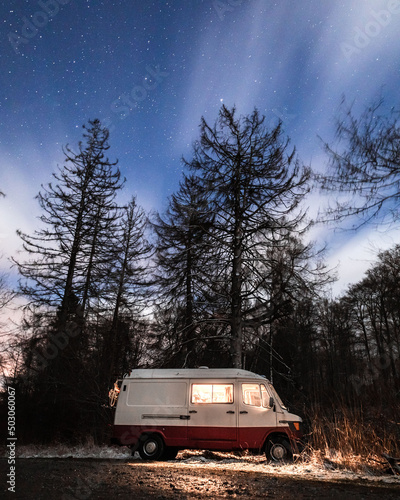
(226, 277)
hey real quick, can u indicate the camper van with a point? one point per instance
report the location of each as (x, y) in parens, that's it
(161, 411)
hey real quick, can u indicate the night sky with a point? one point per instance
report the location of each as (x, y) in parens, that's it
(150, 69)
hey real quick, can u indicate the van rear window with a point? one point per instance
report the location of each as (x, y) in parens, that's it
(212, 393)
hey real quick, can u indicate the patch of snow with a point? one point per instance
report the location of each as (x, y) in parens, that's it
(195, 460)
(310, 468)
(62, 451)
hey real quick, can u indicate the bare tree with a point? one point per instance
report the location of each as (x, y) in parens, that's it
(375, 304)
(6, 295)
(128, 284)
(78, 211)
(61, 276)
(254, 187)
(183, 267)
(365, 166)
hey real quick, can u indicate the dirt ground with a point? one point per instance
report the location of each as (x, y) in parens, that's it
(84, 479)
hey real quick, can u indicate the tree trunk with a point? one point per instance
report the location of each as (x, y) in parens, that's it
(236, 300)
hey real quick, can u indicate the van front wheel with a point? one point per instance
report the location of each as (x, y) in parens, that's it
(278, 450)
(151, 447)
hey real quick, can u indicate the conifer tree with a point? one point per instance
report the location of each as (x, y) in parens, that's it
(128, 287)
(64, 270)
(78, 209)
(254, 187)
(183, 263)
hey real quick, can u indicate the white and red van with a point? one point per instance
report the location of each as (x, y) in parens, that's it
(160, 411)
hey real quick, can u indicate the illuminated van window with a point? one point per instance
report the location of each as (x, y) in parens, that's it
(212, 393)
(265, 396)
(251, 394)
(255, 395)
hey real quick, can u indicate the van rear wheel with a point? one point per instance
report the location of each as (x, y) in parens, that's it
(278, 450)
(151, 447)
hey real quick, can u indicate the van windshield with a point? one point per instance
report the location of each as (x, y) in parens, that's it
(275, 396)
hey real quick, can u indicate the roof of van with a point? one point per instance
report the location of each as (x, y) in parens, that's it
(211, 373)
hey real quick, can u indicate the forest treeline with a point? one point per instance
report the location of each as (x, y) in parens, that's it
(225, 277)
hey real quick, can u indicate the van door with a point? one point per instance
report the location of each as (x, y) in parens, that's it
(212, 411)
(256, 417)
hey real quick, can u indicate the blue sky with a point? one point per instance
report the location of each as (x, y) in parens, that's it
(151, 69)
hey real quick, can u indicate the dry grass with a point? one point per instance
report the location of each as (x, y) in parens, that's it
(345, 440)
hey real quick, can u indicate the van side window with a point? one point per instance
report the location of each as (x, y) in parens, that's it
(255, 395)
(212, 393)
(251, 394)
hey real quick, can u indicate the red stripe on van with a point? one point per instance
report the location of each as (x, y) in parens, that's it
(212, 438)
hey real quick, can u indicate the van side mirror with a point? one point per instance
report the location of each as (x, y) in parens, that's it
(271, 402)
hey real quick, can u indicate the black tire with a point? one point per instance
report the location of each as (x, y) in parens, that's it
(151, 447)
(170, 453)
(278, 450)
